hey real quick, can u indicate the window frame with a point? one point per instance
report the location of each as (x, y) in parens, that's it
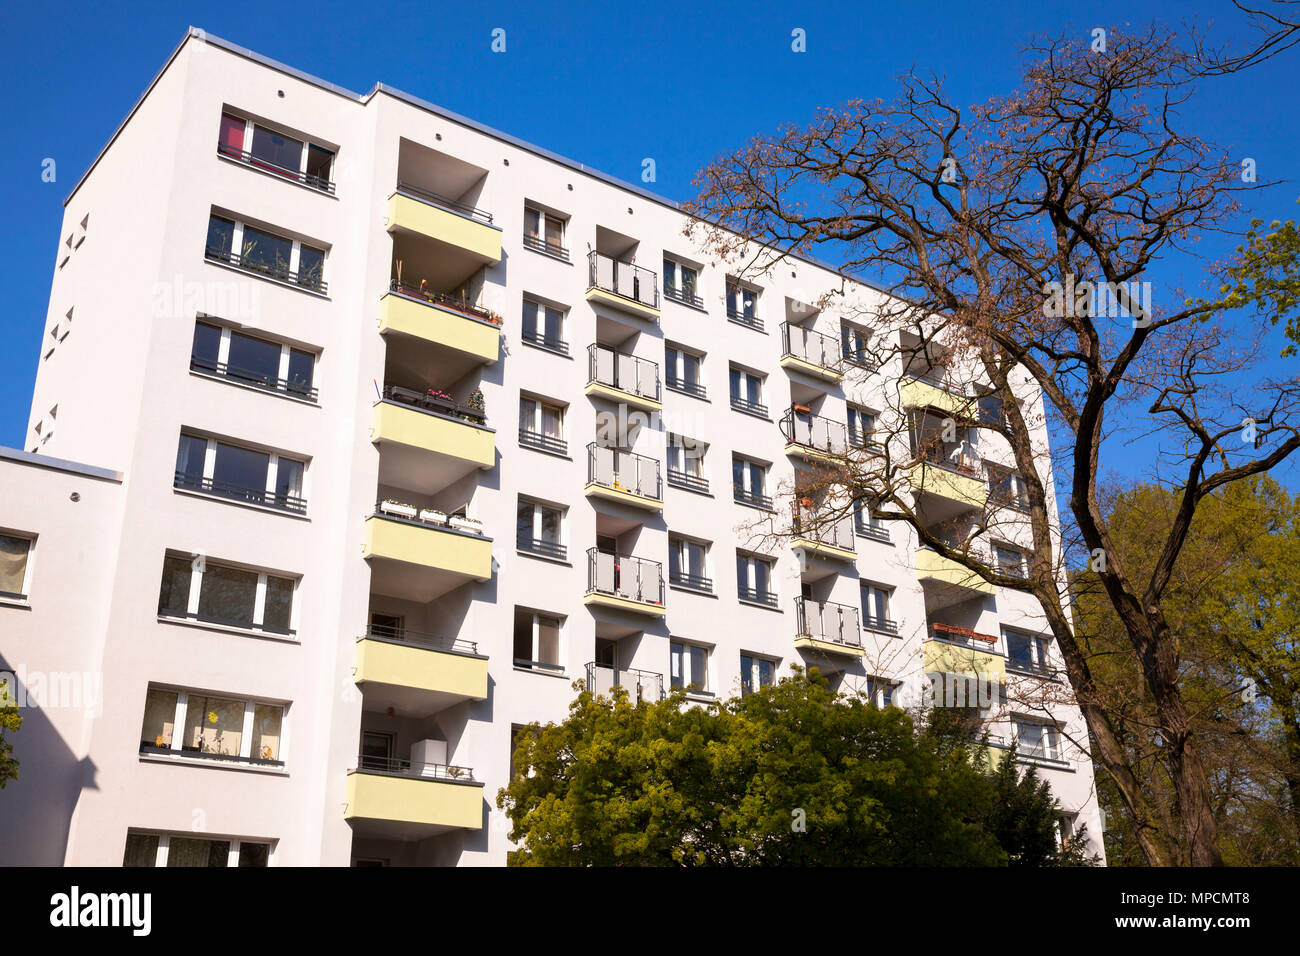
(679, 553)
(534, 436)
(164, 846)
(221, 367)
(754, 679)
(312, 181)
(198, 568)
(22, 597)
(536, 546)
(291, 277)
(293, 504)
(180, 725)
(539, 339)
(538, 242)
(683, 653)
(535, 664)
(746, 590)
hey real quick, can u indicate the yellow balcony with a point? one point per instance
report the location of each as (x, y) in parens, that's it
(418, 679)
(416, 561)
(618, 396)
(916, 393)
(967, 661)
(399, 424)
(934, 569)
(410, 806)
(823, 549)
(965, 490)
(480, 240)
(810, 454)
(814, 645)
(475, 338)
(598, 296)
(792, 363)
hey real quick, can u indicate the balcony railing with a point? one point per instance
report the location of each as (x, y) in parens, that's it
(825, 621)
(682, 479)
(312, 283)
(1039, 669)
(965, 636)
(756, 596)
(837, 533)
(456, 303)
(811, 346)
(624, 471)
(545, 341)
(684, 293)
(540, 546)
(745, 405)
(396, 766)
(243, 376)
(232, 492)
(864, 527)
(690, 388)
(625, 576)
(420, 639)
(533, 439)
(640, 685)
(244, 156)
(882, 624)
(438, 403)
(451, 205)
(623, 279)
(755, 499)
(1009, 500)
(625, 372)
(695, 582)
(751, 320)
(815, 432)
(540, 244)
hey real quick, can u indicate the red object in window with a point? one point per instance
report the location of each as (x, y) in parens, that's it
(231, 140)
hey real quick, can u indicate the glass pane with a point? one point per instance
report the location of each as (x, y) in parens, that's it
(524, 521)
(288, 481)
(253, 360)
(189, 852)
(738, 474)
(530, 319)
(221, 237)
(207, 342)
(279, 603)
(255, 854)
(227, 595)
(699, 668)
(550, 525)
(141, 850)
(735, 384)
(554, 231)
(174, 597)
(277, 150)
(554, 325)
(319, 163)
(302, 365)
(190, 455)
(231, 138)
(266, 252)
(241, 470)
(532, 222)
(765, 672)
(760, 577)
(159, 718)
(266, 731)
(548, 640)
(311, 266)
(214, 725)
(551, 421)
(1019, 650)
(13, 563)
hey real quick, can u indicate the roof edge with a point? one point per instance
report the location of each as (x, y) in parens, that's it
(18, 456)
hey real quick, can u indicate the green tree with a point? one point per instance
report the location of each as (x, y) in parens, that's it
(788, 775)
(12, 721)
(1267, 273)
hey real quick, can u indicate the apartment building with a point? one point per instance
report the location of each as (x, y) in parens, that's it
(399, 427)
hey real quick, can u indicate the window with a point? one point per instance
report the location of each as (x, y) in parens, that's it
(686, 463)
(688, 563)
(202, 590)
(15, 566)
(544, 326)
(163, 849)
(233, 728)
(879, 692)
(862, 426)
(541, 425)
(681, 283)
(1011, 561)
(537, 641)
(544, 232)
(689, 667)
(245, 246)
(868, 524)
(387, 625)
(854, 345)
(875, 608)
(755, 672)
(240, 474)
(754, 579)
(741, 305)
(747, 391)
(1027, 652)
(245, 141)
(1037, 740)
(253, 361)
(1008, 488)
(538, 529)
(748, 482)
(684, 371)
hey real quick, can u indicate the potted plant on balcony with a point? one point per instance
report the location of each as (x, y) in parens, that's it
(433, 516)
(462, 523)
(394, 507)
(477, 405)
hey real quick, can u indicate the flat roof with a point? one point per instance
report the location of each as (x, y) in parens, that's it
(20, 457)
(205, 37)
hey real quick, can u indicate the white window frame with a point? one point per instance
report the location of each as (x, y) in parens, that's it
(251, 704)
(26, 593)
(679, 545)
(539, 323)
(1040, 647)
(755, 675)
(540, 506)
(740, 290)
(164, 845)
(295, 250)
(682, 656)
(675, 357)
(747, 476)
(751, 560)
(691, 463)
(872, 588)
(535, 663)
(857, 415)
(199, 564)
(307, 144)
(272, 466)
(1050, 732)
(538, 406)
(544, 217)
(282, 371)
(751, 385)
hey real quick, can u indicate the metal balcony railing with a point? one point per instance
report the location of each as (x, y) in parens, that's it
(690, 388)
(756, 596)
(685, 579)
(623, 279)
(640, 685)
(244, 156)
(811, 346)
(742, 404)
(684, 293)
(837, 533)
(421, 639)
(547, 342)
(825, 621)
(396, 766)
(535, 439)
(815, 432)
(627, 373)
(624, 471)
(1028, 666)
(541, 244)
(451, 205)
(430, 401)
(625, 576)
(447, 300)
(547, 549)
(312, 281)
(684, 479)
(294, 387)
(754, 498)
(224, 489)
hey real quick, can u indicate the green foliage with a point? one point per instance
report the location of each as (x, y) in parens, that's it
(10, 720)
(791, 774)
(1266, 273)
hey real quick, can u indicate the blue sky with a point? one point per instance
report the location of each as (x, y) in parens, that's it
(607, 84)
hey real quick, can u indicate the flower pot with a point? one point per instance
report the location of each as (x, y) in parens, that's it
(433, 516)
(472, 525)
(397, 508)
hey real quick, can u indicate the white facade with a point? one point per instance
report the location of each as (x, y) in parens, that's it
(280, 683)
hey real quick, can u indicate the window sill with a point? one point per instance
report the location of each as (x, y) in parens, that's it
(755, 505)
(765, 607)
(549, 255)
(240, 504)
(761, 416)
(565, 562)
(546, 348)
(701, 697)
(229, 629)
(686, 588)
(565, 456)
(687, 392)
(181, 760)
(21, 604)
(747, 325)
(541, 672)
(227, 380)
(683, 302)
(308, 290)
(1047, 763)
(276, 176)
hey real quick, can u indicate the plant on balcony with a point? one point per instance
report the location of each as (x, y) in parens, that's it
(440, 395)
(433, 515)
(462, 523)
(476, 402)
(394, 507)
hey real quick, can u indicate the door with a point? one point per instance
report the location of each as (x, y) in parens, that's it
(377, 751)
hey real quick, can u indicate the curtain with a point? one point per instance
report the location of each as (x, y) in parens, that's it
(13, 563)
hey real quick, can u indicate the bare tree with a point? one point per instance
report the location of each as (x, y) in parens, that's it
(1277, 28)
(1014, 240)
